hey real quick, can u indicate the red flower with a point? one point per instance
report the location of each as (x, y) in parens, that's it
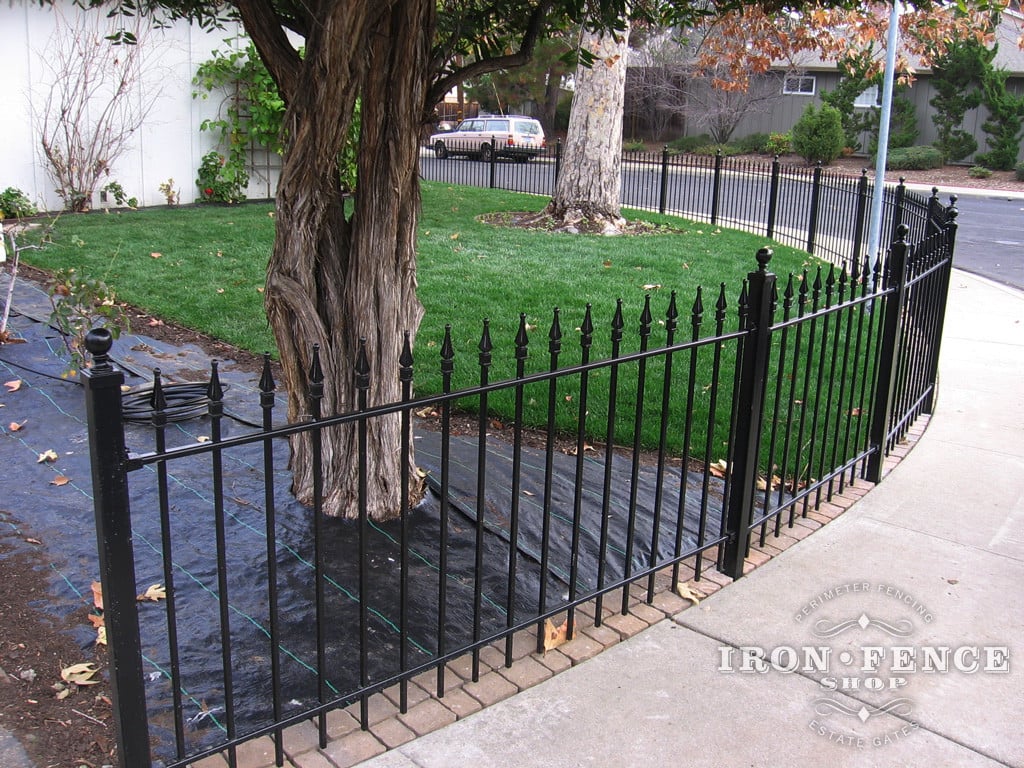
(208, 191)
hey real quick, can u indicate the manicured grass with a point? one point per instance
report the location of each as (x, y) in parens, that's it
(204, 268)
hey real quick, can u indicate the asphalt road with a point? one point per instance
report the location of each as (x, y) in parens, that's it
(990, 238)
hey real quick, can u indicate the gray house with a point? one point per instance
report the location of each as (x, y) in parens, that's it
(782, 95)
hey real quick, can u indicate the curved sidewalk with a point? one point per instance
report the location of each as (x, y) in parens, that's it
(939, 544)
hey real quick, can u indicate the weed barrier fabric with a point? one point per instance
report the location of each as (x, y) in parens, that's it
(207, 584)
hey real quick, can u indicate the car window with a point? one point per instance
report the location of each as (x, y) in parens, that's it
(526, 126)
(497, 126)
(471, 125)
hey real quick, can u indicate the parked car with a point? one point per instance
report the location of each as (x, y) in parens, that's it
(487, 136)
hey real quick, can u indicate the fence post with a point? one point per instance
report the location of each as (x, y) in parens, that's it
(558, 162)
(812, 223)
(888, 353)
(494, 159)
(859, 217)
(751, 392)
(950, 229)
(717, 190)
(773, 198)
(934, 206)
(663, 194)
(897, 209)
(109, 459)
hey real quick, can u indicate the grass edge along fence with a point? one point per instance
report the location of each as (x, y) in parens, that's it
(827, 373)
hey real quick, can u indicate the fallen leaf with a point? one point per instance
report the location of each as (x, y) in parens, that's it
(60, 480)
(30, 540)
(855, 412)
(455, 236)
(97, 595)
(15, 426)
(155, 255)
(720, 468)
(80, 674)
(651, 286)
(96, 620)
(101, 636)
(155, 593)
(607, 263)
(46, 456)
(202, 439)
(220, 290)
(63, 693)
(13, 385)
(260, 288)
(155, 323)
(555, 636)
(686, 593)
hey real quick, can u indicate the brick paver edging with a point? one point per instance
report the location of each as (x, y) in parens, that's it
(348, 745)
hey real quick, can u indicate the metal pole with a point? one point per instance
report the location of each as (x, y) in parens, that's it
(875, 229)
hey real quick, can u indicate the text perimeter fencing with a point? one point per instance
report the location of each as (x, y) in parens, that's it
(765, 398)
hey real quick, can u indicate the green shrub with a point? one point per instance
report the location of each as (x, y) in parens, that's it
(1019, 170)
(727, 150)
(221, 181)
(633, 145)
(754, 144)
(979, 172)
(779, 144)
(818, 134)
(14, 204)
(914, 159)
(686, 144)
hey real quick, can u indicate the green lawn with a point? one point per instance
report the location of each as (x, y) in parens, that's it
(204, 267)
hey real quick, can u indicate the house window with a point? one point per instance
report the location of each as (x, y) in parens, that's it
(802, 85)
(869, 98)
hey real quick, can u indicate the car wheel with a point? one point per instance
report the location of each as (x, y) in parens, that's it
(486, 153)
(440, 150)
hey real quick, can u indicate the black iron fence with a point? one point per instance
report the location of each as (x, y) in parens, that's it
(821, 211)
(275, 614)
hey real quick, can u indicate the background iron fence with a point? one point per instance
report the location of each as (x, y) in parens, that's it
(821, 211)
(276, 614)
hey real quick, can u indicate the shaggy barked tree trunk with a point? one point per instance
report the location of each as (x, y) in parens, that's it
(589, 184)
(334, 280)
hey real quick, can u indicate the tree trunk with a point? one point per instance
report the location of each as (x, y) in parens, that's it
(589, 185)
(333, 281)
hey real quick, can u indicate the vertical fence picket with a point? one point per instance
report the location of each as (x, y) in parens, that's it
(709, 440)
(586, 341)
(609, 453)
(663, 185)
(634, 472)
(671, 318)
(554, 350)
(484, 361)
(773, 198)
(405, 372)
(315, 378)
(362, 385)
(159, 421)
(716, 192)
(696, 318)
(860, 216)
(522, 343)
(447, 368)
(780, 387)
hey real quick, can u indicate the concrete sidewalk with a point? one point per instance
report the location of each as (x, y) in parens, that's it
(931, 558)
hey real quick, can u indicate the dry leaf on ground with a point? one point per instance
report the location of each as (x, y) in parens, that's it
(80, 674)
(686, 593)
(555, 636)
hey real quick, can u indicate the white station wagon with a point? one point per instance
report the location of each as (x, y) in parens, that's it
(487, 136)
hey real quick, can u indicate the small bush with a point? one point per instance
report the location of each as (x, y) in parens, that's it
(727, 150)
(633, 145)
(779, 144)
(1019, 171)
(979, 172)
(914, 159)
(754, 144)
(687, 144)
(220, 181)
(14, 204)
(818, 134)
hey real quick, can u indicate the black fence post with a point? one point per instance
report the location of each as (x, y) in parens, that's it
(860, 217)
(812, 219)
(494, 160)
(109, 459)
(717, 190)
(663, 193)
(935, 224)
(888, 353)
(558, 163)
(751, 393)
(897, 208)
(773, 198)
(943, 298)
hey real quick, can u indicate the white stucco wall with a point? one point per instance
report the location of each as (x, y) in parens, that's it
(169, 144)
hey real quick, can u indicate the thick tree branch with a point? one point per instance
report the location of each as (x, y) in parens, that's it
(476, 68)
(279, 56)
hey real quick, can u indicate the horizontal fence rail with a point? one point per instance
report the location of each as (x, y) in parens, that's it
(716, 420)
